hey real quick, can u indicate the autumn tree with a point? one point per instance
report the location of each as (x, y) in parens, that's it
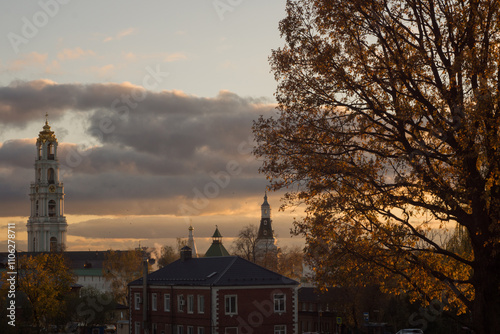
(290, 260)
(387, 130)
(121, 268)
(91, 307)
(45, 281)
(167, 255)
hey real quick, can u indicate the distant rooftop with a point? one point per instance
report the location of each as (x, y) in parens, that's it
(215, 271)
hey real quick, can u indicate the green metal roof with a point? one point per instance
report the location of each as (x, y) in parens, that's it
(217, 233)
(216, 249)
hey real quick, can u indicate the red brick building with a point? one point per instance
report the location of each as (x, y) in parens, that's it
(225, 295)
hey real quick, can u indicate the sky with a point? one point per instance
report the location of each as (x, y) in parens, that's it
(152, 104)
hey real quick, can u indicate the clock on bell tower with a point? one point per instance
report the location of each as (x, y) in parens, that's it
(47, 224)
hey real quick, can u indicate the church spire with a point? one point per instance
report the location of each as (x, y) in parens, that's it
(266, 242)
(46, 224)
(191, 244)
(265, 228)
(217, 248)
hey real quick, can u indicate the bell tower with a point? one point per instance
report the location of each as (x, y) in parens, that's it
(47, 225)
(265, 237)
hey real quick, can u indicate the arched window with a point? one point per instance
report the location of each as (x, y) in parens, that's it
(50, 175)
(36, 208)
(39, 152)
(50, 151)
(53, 244)
(39, 175)
(52, 208)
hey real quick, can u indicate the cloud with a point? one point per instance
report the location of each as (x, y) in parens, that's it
(119, 35)
(103, 71)
(70, 54)
(27, 60)
(175, 57)
(150, 152)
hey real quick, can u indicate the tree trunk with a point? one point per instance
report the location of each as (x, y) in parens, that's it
(486, 305)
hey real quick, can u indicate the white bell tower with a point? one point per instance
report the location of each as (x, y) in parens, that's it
(47, 225)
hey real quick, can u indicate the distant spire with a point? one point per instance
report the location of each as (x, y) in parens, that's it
(47, 118)
(265, 199)
(217, 248)
(191, 242)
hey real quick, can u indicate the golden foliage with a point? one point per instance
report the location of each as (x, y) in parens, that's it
(388, 130)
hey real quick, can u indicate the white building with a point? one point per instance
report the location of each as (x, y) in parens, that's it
(47, 225)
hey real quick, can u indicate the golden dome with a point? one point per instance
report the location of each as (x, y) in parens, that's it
(46, 134)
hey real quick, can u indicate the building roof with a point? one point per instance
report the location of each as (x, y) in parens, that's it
(216, 249)
(76, 259)
(217, 233)
(215, 271)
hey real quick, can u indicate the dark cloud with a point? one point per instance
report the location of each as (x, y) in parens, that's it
(23, 101)
(17, 153)
(150, 149)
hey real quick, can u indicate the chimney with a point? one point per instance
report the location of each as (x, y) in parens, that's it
(186, 253)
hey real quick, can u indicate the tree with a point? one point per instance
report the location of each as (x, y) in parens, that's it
(167, 255)
(121, 268)
(290, 262)
(91, 307)
(286, 261)
(245, 245)
(388, 131)
(45, 280)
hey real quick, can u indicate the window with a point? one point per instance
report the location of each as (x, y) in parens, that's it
(166, 302)
(180, 303)
(279, 329)
(190, 302)
(230, 303)
(180, 330)
(50, 175)
(52, 208)
(137, 327)
(137, 300)
(155, 329)
(201, 330)
(279, 303)
(154, 302)
(50, 152)
(53, 244)
(190, 329)
(201, 304)
(36, 208)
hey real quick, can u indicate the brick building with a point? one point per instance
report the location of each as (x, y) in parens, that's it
(226, 295)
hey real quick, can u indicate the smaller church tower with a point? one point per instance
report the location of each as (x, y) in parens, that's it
(266, 241)
(217, 248)
(191, 244)
(46, 225)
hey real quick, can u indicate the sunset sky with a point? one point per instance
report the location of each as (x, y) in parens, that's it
(152, 103)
